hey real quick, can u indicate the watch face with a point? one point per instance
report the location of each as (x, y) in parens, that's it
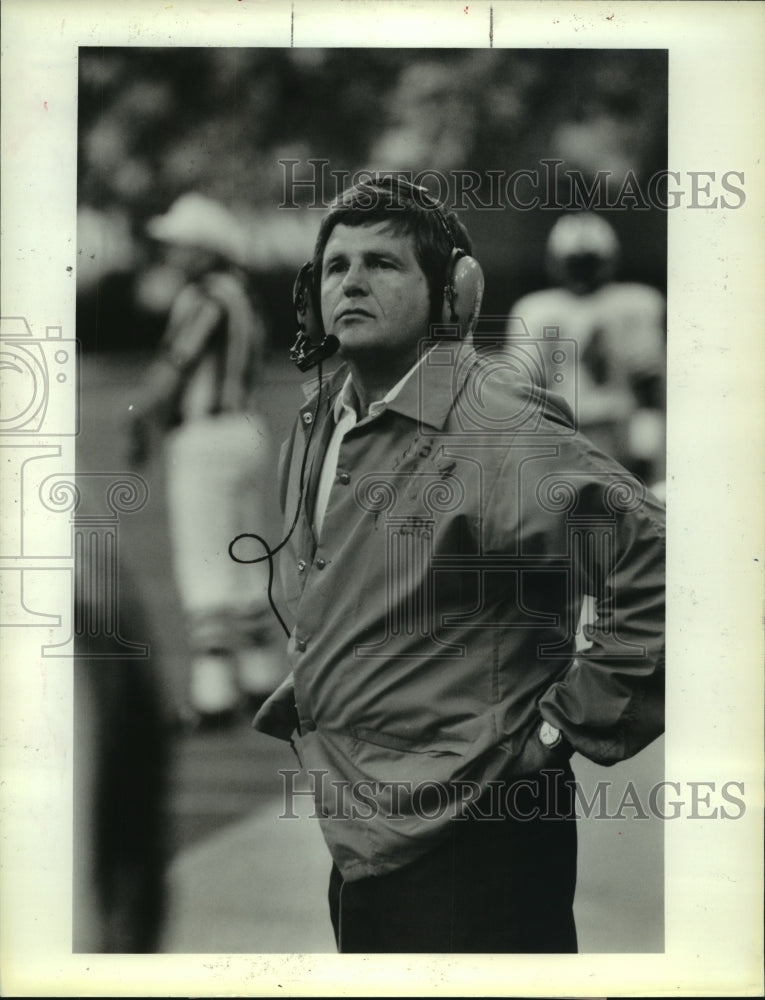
(548, 734)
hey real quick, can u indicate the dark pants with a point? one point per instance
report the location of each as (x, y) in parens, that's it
(500, 885)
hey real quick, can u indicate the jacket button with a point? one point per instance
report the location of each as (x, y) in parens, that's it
(321, 563)
(301, 645)
(301, 566)
(308, 418)
(343, 477)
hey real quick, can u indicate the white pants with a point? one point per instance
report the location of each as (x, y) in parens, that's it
(217, 475)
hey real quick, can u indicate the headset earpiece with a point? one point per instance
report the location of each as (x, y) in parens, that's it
(463, 292)
(304, 302)
(312, 345)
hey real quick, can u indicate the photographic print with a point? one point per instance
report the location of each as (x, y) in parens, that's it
(375, 355)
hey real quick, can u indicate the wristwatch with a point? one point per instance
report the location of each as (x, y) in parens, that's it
(549, 736)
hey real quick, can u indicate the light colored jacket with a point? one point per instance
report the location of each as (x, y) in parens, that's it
(434, 621)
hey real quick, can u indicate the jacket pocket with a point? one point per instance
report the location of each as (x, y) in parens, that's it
(389, 757)
(383, 756)
(441, 744)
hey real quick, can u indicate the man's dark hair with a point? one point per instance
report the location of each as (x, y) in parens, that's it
(408, 209)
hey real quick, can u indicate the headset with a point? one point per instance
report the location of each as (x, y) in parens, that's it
(462, 294)
(463, 280)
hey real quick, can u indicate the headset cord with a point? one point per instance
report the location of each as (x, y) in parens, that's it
(269, 552)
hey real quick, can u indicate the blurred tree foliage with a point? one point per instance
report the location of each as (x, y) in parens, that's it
(155, 122)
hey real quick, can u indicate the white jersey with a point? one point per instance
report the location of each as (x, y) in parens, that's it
(620, 336)
(619, 331)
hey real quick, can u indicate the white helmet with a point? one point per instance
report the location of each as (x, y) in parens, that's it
(582, 233)
(582, 250)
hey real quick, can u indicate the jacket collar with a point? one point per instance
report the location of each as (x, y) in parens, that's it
(331, 387)
(430, 393)
(426, 397)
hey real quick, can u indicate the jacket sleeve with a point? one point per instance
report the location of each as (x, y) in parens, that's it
(609, 703)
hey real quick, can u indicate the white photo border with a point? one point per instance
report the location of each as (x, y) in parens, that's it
(716, 258)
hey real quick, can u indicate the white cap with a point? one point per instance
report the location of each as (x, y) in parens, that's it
(194, 220)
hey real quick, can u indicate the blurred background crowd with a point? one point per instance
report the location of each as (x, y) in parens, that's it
(155, 123)
(185, 270)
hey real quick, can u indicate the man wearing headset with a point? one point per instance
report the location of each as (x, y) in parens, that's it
(445, 521)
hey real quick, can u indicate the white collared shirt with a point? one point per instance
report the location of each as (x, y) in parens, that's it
(346, 417)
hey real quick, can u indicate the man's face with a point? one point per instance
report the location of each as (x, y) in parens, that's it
(374, 294)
